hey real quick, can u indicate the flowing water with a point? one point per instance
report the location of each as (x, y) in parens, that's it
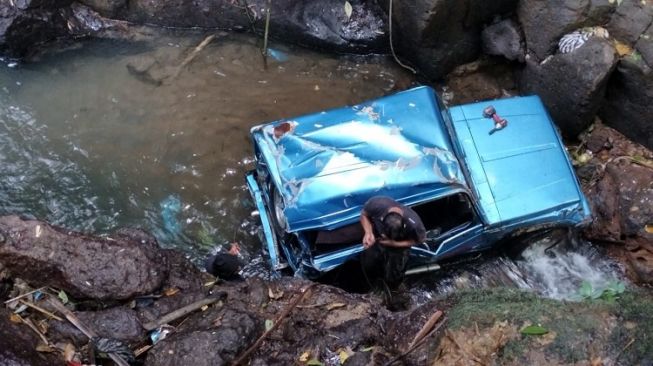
(106, 135)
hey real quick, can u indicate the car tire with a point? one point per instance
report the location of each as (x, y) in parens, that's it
(275, 197)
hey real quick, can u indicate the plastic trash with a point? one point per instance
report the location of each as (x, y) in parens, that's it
(170, 209)
(277, 55)
(160, 333)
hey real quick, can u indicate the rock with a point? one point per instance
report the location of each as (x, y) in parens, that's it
(116, 323)
(438, 35)
(120, 267)
(18, 345)
(217, 341)
(631, 18)
(571, 85)
(321, 24)
(641, 261)
(545, 22)
(644, 46)
(29, 23)
(107, 8)
(504, 39)
(628, 101)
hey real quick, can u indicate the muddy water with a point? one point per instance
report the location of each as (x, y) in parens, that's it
(87, 144)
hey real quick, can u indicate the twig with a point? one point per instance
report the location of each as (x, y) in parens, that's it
(392, 48)
(174, 315)
(304, 292)
(193, 54)
(632, 340)
(38, 308)
(25, 294)
(416, 345)
(426, 328)
(142, 350)
(34, 328)
(267, 32)
(90, 333)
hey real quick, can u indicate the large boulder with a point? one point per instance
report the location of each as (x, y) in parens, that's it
(118, 323)
(630, 20)
(117, 267)
(628, 101)
(545, 22)
(438, 35)
(321, 24)
(17, 344)
(572, 85)
(24, 23)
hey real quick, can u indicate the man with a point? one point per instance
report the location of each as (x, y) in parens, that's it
(390, 230)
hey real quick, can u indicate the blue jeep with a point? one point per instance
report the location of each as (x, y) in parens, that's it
(476, 174)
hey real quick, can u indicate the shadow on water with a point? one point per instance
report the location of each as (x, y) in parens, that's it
(88, 143)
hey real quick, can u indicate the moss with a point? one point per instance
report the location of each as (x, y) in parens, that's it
(582, 329)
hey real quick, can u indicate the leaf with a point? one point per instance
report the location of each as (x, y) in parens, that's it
(304, 357)
(622, 48)
(269, 323)
(649, 228)
(314, 362)
(15, 318)
(63, 297)
(335, 305)
(274, 295)
(171, 291)
(585, 289)
(344, 354)
(367, 349)
(68, 352)
(348, 9)
(534, 330)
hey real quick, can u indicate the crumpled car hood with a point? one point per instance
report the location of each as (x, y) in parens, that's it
(327, 165)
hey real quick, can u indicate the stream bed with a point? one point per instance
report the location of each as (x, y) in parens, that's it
(107, 134)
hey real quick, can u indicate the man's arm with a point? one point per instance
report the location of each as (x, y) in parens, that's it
(397, 244)
(366, 223)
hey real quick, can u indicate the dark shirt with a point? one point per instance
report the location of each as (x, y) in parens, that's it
(377, 207)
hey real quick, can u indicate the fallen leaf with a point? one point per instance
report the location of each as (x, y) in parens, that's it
(344, 354)
(348, 9)
(63, 297)
(268, 324)
(314, 362)
(367, 349)
(203, 308)
(274, 295)
(304, 356)
(171, 291)
(534, 330)
(622, 48)
(649, 228)
(335, 305)
(15, 318)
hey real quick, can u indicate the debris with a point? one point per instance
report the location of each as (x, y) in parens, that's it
(38, 308)
(303, 293)
(336, 305)
(82, 327)
(23, 295)
(274, 295)
(174, 315)
(193, 54)
(430, 323)
(304, 356)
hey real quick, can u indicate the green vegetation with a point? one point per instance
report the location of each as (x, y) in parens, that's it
(600, 327)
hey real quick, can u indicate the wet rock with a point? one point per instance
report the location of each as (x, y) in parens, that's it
(182, 274)
(116, 323)
(107, 8)
(545, 22)
(630, 19)
(504, 39)
(120, 267)
(26, 23)
(572, 85)
(438, 35)
(322, 24)
(628, 100)
(18, 344)
(215, 341)
(640, 257)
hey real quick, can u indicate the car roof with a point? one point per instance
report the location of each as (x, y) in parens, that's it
(326, 165)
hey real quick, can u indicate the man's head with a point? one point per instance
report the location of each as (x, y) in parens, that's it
(394, 226)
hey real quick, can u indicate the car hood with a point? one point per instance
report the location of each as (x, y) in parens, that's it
(327, 165)
(521, 172)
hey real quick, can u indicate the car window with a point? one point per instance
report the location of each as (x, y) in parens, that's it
(446, 215)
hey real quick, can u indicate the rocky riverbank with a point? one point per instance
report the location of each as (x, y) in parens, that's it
(289, 321)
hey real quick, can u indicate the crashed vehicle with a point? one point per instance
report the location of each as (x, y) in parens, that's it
(477, 174)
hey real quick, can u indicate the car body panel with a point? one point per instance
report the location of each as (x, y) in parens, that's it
(327, 165)
(520, 172)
